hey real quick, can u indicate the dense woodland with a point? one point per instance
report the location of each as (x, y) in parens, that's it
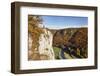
(75, 38)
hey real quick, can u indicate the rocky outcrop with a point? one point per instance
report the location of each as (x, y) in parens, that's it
(45, 45)
(39, 40)
(40, 47)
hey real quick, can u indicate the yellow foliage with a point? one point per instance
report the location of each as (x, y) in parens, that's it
(34, 31)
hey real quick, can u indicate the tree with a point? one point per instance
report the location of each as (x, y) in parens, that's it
(34, 31)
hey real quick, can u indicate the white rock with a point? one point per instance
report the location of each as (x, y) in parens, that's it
(45, 44)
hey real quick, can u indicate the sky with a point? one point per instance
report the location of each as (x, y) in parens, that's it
(64, 21)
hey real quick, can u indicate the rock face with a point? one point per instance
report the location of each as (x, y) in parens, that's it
(44, 51)
(39, 40)
(45, 45)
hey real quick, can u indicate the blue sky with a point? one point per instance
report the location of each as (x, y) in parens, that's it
(64, 21)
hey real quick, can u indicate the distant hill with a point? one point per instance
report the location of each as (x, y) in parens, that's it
(64, 36)
(77, 37)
